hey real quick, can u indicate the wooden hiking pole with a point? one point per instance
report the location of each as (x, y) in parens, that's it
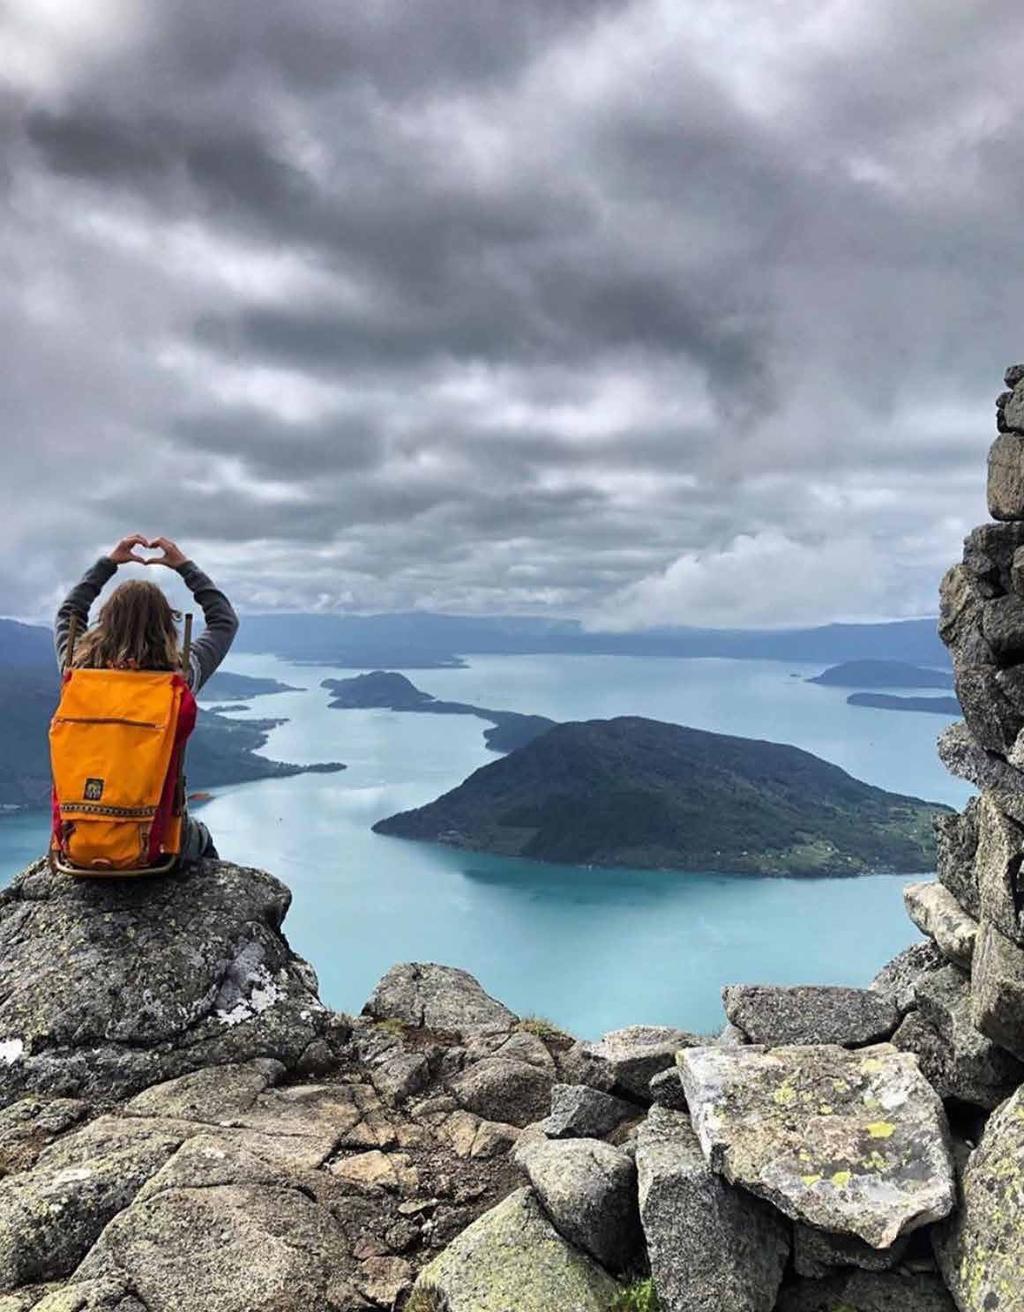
(186, 658)
(186, 647)
(69, 650)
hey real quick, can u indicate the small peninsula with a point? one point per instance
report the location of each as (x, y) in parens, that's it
(227, 686)
(387, 690)
(882, 674)
(883, 701)
(641, 793)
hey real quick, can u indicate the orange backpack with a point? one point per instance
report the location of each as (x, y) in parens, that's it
(117, 748)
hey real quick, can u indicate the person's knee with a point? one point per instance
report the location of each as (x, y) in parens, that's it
(197, 843)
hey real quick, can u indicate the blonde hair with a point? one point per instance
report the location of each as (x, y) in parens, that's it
(136, 630)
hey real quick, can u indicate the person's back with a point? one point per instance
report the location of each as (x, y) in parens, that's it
(137, 631)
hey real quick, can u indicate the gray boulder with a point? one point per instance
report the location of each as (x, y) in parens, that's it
(398, 1078)
(961, 598)
(817, 1254)
(862, 1291)
(771, 1015)
(225, 1247)
(437, 997)
(28, 1125)
(633, 1056)
(957, 1060)
(854, 1142)
(110, 985)
(963, 602)
(1011, 679)
(51, 1215)
(898, 979)
(1006, 469)
(997, 990)
(667, 1090)
(712, 1248)
(981, 1253)
(1002, 626)
(997, 869)
(512, 1257)
(588, 1189)
(964, 756)
(500, 1089)
(992, 717)
(937, 913)
(989, 551)
(579, 1112)
(956, 840)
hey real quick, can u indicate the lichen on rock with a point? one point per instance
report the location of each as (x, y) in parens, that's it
(854, 1142)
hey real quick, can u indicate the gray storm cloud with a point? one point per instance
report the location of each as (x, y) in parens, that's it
(654, 312)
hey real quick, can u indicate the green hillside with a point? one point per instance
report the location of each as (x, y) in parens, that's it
(636, 792)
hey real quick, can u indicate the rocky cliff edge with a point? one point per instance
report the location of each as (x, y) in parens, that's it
(184, 1125)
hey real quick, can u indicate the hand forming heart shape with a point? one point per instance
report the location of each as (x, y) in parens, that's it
(170, 554)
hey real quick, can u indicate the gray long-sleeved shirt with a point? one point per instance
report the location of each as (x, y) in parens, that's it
(208, 650)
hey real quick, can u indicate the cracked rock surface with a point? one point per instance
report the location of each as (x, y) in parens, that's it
(138, 980)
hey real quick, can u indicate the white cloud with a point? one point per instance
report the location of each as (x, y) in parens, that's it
(760, 580)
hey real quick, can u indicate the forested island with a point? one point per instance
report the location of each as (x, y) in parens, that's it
(383, 689)
(882, 674)
(883, 701)
(637, 792)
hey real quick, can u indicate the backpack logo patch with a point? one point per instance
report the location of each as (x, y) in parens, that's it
(93, 790)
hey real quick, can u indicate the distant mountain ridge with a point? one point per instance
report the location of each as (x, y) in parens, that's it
(637, 792)
(425, 640)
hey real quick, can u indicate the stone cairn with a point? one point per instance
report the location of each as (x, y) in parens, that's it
(975, 911)
(184, 1127)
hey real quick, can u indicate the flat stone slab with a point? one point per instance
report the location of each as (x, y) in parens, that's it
(854, 1142)
(770, 1014)
(634, 1055)
(937, 913)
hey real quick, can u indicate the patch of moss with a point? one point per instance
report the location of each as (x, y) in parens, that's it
(427, 1298)
(392, 1025)
(640, 1296)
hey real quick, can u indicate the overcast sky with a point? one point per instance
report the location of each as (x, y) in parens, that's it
(672, 311)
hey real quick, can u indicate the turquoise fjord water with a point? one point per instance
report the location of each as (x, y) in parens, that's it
(589, 949)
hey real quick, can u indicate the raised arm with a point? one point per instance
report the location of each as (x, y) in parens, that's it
(79, 600)
(212, 645)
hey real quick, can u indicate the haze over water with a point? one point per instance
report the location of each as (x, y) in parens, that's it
(590, 949)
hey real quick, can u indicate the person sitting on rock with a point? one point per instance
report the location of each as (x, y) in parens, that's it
(137, 630)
